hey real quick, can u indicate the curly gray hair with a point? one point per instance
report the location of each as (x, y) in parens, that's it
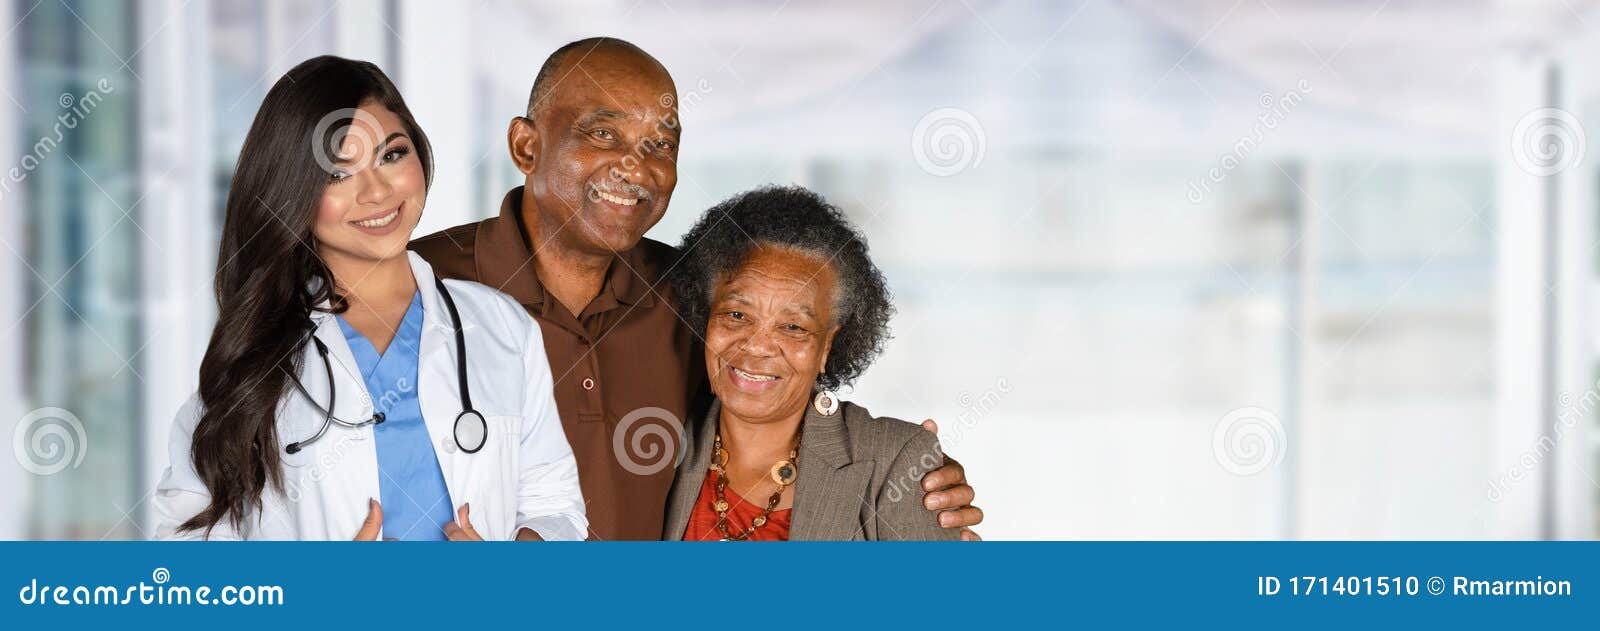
(790, 217)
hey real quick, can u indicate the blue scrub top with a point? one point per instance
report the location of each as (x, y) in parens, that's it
(416, 503)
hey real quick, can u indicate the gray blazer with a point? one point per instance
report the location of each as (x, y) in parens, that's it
(860, 478)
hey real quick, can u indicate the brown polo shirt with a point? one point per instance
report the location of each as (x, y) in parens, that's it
(626, 369)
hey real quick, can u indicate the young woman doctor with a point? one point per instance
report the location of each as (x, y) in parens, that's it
(346, 392)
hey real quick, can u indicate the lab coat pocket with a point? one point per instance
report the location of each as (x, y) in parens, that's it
(300, 473)
(506, 428)
(296, 461)
(291, 431)
(298, 424)
(498, 472)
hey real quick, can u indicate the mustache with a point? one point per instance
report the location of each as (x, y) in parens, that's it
(620, 190)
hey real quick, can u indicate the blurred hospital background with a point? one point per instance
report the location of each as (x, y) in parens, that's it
(1204, 269)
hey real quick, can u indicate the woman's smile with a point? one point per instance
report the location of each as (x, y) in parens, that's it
(381, 223)
(751, 381)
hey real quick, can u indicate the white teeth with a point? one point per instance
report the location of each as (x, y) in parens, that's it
(616, 200)
(751, 377)
(379, 222)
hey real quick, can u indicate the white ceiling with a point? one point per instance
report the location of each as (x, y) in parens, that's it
(1422, 60)
(1411, 73)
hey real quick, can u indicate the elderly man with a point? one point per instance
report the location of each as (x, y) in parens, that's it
(599, 150)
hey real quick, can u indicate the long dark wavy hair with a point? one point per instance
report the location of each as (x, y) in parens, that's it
(269, 278)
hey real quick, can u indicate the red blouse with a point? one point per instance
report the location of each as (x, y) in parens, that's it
(703, 519)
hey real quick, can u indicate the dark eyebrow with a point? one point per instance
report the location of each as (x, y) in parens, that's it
(386, 141)
(377, 150)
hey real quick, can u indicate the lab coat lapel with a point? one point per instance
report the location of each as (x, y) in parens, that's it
(437, 382)
(343, 497)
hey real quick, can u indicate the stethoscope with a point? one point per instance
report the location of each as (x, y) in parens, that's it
(471, 430)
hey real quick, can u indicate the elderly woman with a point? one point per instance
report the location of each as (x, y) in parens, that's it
(790, 306)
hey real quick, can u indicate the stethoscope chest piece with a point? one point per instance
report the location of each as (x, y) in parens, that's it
(471, 431)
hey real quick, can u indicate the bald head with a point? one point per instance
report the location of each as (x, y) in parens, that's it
(598, 147)
(596, 55)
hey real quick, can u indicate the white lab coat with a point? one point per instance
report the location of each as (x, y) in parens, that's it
(525, 475)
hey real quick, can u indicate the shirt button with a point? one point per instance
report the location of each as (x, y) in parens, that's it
(449, 446)
(588, 384)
